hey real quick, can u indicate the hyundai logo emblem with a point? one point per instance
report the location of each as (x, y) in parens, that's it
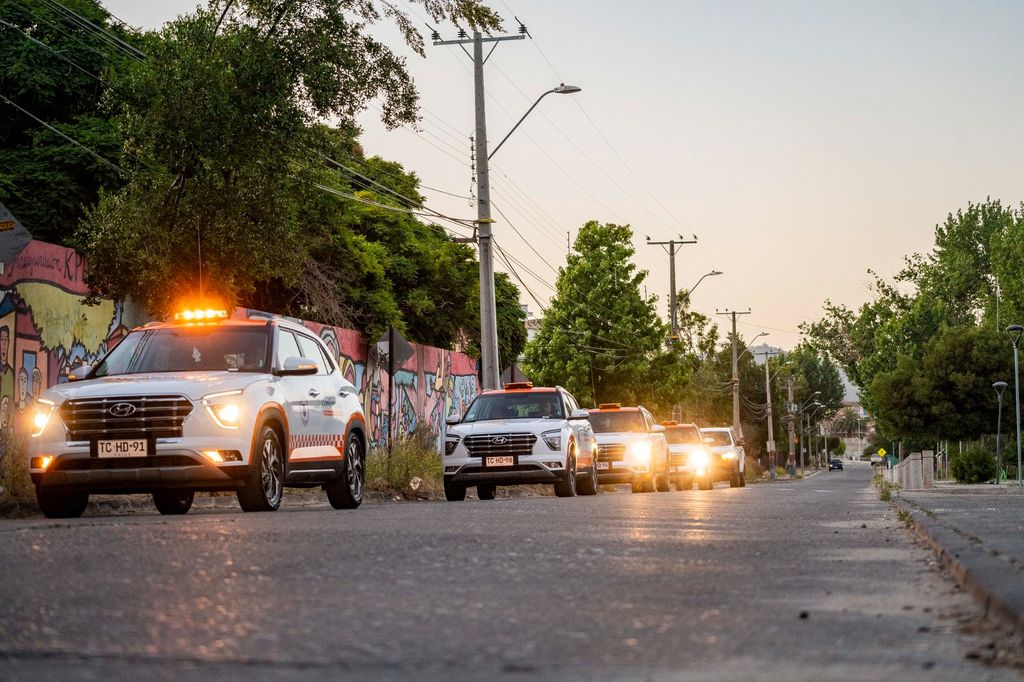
(122, 410)
(499, 440)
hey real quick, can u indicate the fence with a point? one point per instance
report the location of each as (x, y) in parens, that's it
(916, 471)
(46, 330)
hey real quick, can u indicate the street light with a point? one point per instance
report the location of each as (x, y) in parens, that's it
(490, 373)
(747, 349)
(1016, 331)
(562, 89)
(713, 273)
(1000, 387)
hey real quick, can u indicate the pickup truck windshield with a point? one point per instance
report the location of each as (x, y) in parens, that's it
(683, 435)
(188, 349)
(718, 437)
(617, 422)
(546, 405)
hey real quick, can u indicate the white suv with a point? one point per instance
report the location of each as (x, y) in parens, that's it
(728, 460)
(631, 448)
(520, 435)
(204, 403)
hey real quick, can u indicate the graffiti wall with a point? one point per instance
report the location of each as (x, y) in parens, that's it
(429, 387)
(46, 330)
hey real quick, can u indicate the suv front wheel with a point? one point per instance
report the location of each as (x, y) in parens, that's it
(567, 486)
(61, 505)
(264, 489)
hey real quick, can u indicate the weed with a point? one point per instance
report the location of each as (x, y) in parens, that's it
(15, 483)
(413, 457)
(904, 516)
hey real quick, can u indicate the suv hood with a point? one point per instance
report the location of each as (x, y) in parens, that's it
(506, 426)
(193, 385)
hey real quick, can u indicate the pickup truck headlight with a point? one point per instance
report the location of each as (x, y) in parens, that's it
(700, 459)
(41, 414)
(640, 453)
(225, 408)
(553, 439)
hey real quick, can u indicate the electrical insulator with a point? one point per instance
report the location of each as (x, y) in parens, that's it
(435, 36)
(522, 30)
(462, 33)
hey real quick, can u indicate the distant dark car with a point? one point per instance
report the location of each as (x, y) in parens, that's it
(835, 464)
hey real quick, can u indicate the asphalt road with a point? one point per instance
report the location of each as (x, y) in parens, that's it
(812, 579)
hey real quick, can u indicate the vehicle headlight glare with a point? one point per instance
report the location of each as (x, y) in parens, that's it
(41, 416)
(553, 439)
(224, 408)
(700, 459)
(731, 454)
(640, 452)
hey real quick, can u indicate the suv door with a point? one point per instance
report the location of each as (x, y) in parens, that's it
(300, 403)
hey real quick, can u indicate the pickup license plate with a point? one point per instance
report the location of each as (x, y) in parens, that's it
(138, 447)
(603, 465)
(503, 461)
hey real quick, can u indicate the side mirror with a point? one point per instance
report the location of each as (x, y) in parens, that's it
(295, 366)
(657, 428)
(79, 373)
(740, 443)
(453, 420)
(579, 414)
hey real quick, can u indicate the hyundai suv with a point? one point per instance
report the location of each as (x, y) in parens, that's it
(631, 448)
(521, 434)
(728, 461)
(689, 461)
(204, 403)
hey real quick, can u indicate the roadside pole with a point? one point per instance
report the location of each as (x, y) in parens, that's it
(791, 459)
(737, 427)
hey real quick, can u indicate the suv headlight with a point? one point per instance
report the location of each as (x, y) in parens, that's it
(731, 454)
(700, 459)
(640, 452)
(41, 414)
(553, 439)
(450, 443)
(225, 408)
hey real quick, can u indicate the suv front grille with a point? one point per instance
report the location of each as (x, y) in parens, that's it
(520, 444)
(159, 416)
(611, 452)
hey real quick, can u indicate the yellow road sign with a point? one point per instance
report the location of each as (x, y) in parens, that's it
(881, 452)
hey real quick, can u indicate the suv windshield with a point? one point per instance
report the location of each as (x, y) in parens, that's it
(188, 349)
(682, 435)
(718, 437)
(532, 405)
(617, 422)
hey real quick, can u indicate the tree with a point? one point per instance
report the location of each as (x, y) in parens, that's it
(599, 334)
(58, 73)
(219, 122)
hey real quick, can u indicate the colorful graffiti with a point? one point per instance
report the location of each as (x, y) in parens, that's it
(46, 329)
(429, 387)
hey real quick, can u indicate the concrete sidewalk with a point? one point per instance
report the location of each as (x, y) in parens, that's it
(978, 532)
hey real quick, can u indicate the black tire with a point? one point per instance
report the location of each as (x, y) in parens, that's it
(567, 486)
(743, 479)
(683, 483)
(264, 488)
(346, 491)
(734, 480)
(663, 484)
(588, 485)
(453, 492)
(173, 502)
(644, 485)
(61, 505)
(706, 484)
(486, 491)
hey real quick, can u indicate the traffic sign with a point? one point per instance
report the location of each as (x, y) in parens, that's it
(881, 452)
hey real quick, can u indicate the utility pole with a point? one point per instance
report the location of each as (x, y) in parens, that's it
(790, 414)
(490, 370)
(736, 426)
(672, 244)
(768, 401)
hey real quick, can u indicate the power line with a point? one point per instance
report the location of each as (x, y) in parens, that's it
(54, 52)
(105, 35)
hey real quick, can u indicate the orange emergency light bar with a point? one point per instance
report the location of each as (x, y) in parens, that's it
(200, 315)
(670, 423)
(513, 385)
(609, 406)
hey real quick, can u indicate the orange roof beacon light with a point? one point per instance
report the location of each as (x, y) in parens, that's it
(609, 406)
(200, 315)
(670, 422)
(518, 385)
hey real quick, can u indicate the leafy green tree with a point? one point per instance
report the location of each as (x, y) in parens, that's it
(600, 333)
(58, 73)
(219, 122)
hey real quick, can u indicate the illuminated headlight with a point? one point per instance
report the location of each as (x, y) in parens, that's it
(225, 408)
(731, 454)
(640, 453)
(450, 443)
(44, 409)
(700, 459)
(553, 439)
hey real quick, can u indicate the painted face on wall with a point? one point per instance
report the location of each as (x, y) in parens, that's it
(5, 412)
(22, 388)
(5, 344)
(37, 382)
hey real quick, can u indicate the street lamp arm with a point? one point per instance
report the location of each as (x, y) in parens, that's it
(713, 273)
(495, 150)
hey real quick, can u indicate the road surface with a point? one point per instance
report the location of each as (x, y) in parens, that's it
(811, 579)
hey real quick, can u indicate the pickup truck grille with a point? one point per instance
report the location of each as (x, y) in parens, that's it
(159, 416)
(482, 445)
(612, 452)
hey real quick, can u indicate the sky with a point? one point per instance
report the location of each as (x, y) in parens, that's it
(801, 142)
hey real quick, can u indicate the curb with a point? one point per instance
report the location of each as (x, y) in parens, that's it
(975, 569)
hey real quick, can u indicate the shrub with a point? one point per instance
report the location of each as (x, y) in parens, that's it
(412, 457)
(974, 465)
(15, 483)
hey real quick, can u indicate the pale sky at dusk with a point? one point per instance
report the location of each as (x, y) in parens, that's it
(802, 142)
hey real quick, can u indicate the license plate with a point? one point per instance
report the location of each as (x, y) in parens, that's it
(138, 447)
(603, 465)
(503, 461)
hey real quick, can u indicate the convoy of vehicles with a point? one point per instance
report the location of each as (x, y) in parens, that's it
(520, 435)
(728, 460)
(203, 403)
(631, 448)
